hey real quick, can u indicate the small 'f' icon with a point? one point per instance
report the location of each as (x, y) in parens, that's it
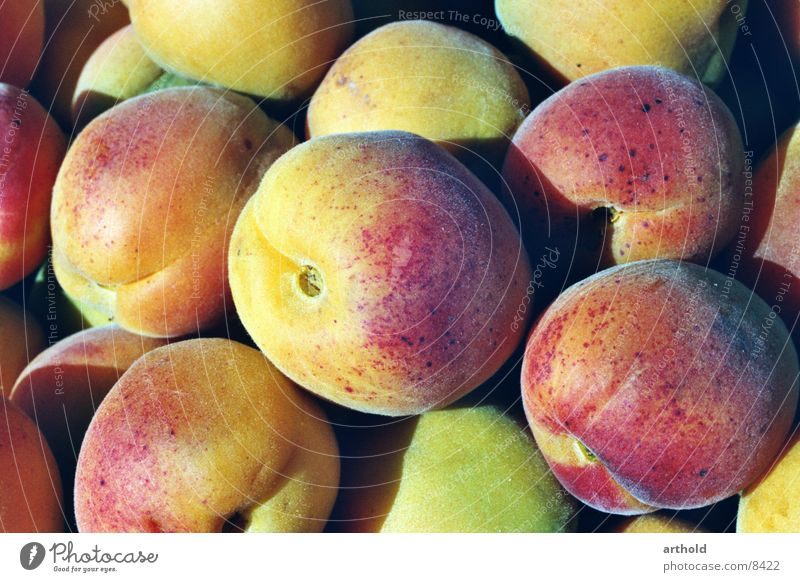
(31, 555)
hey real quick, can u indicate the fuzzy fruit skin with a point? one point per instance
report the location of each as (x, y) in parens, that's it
(589, 36)
(660, 369)
(787, 17)
(770, 505)
(33, 148)
(437, 81)
(203, 431)
(658, 523)
(30, 487)
(73, 31)
(21, 39)
(658, 150)
(117, 70)
(145, 202)
(22, 338)
(423, 275)
(63, 385)
(456, 470)
(765, 253)
(278, 49)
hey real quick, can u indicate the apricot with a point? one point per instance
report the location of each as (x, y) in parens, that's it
(278, 49)
(659, 523)
(437, 81)
(30, 488)
(770, 505)
(659, 384)
(631, 164)
(206, 435)
(31, 150)
(73, 30)
(62, 386)
(376, 271)
(454, 470)
(765, 253)
(117, 70)
(145, 202)
(583, 37)
(21, 39)
(22, 338)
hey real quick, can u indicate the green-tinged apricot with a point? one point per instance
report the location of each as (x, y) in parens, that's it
(73, 30)
(453, 470)
(117, 70)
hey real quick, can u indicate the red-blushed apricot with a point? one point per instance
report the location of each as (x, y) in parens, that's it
(659, 384)
(62, 386)
(278, 49)
(771, 504)
(582, 37)
(117, 70)
(30, 487)
(21, 38)
(437, 81)
(787, 16)
(206, 435)
(630, 164)
(146, 199)
(73, 30)
(31, 150)
(765, 253)
(21, 338)
(374, 270)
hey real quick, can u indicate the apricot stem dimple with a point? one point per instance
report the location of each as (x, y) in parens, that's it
(606, 214)
(310, 281)
(585, 452)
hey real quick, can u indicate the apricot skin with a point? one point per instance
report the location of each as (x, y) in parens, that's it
(30, 487)
(21, 39)
(631, 164)
(117, 70)
(456, 470)
(203, 435)
(146, 199)
(421, 278)
(437, 81)
(658, 523)
(583, 37)
(21, 338)
(206, 435)
(63, 385)
(765, 253)
(771, 504)
(73, 30)
(31, 153)
(278, 49)
(659, 385)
